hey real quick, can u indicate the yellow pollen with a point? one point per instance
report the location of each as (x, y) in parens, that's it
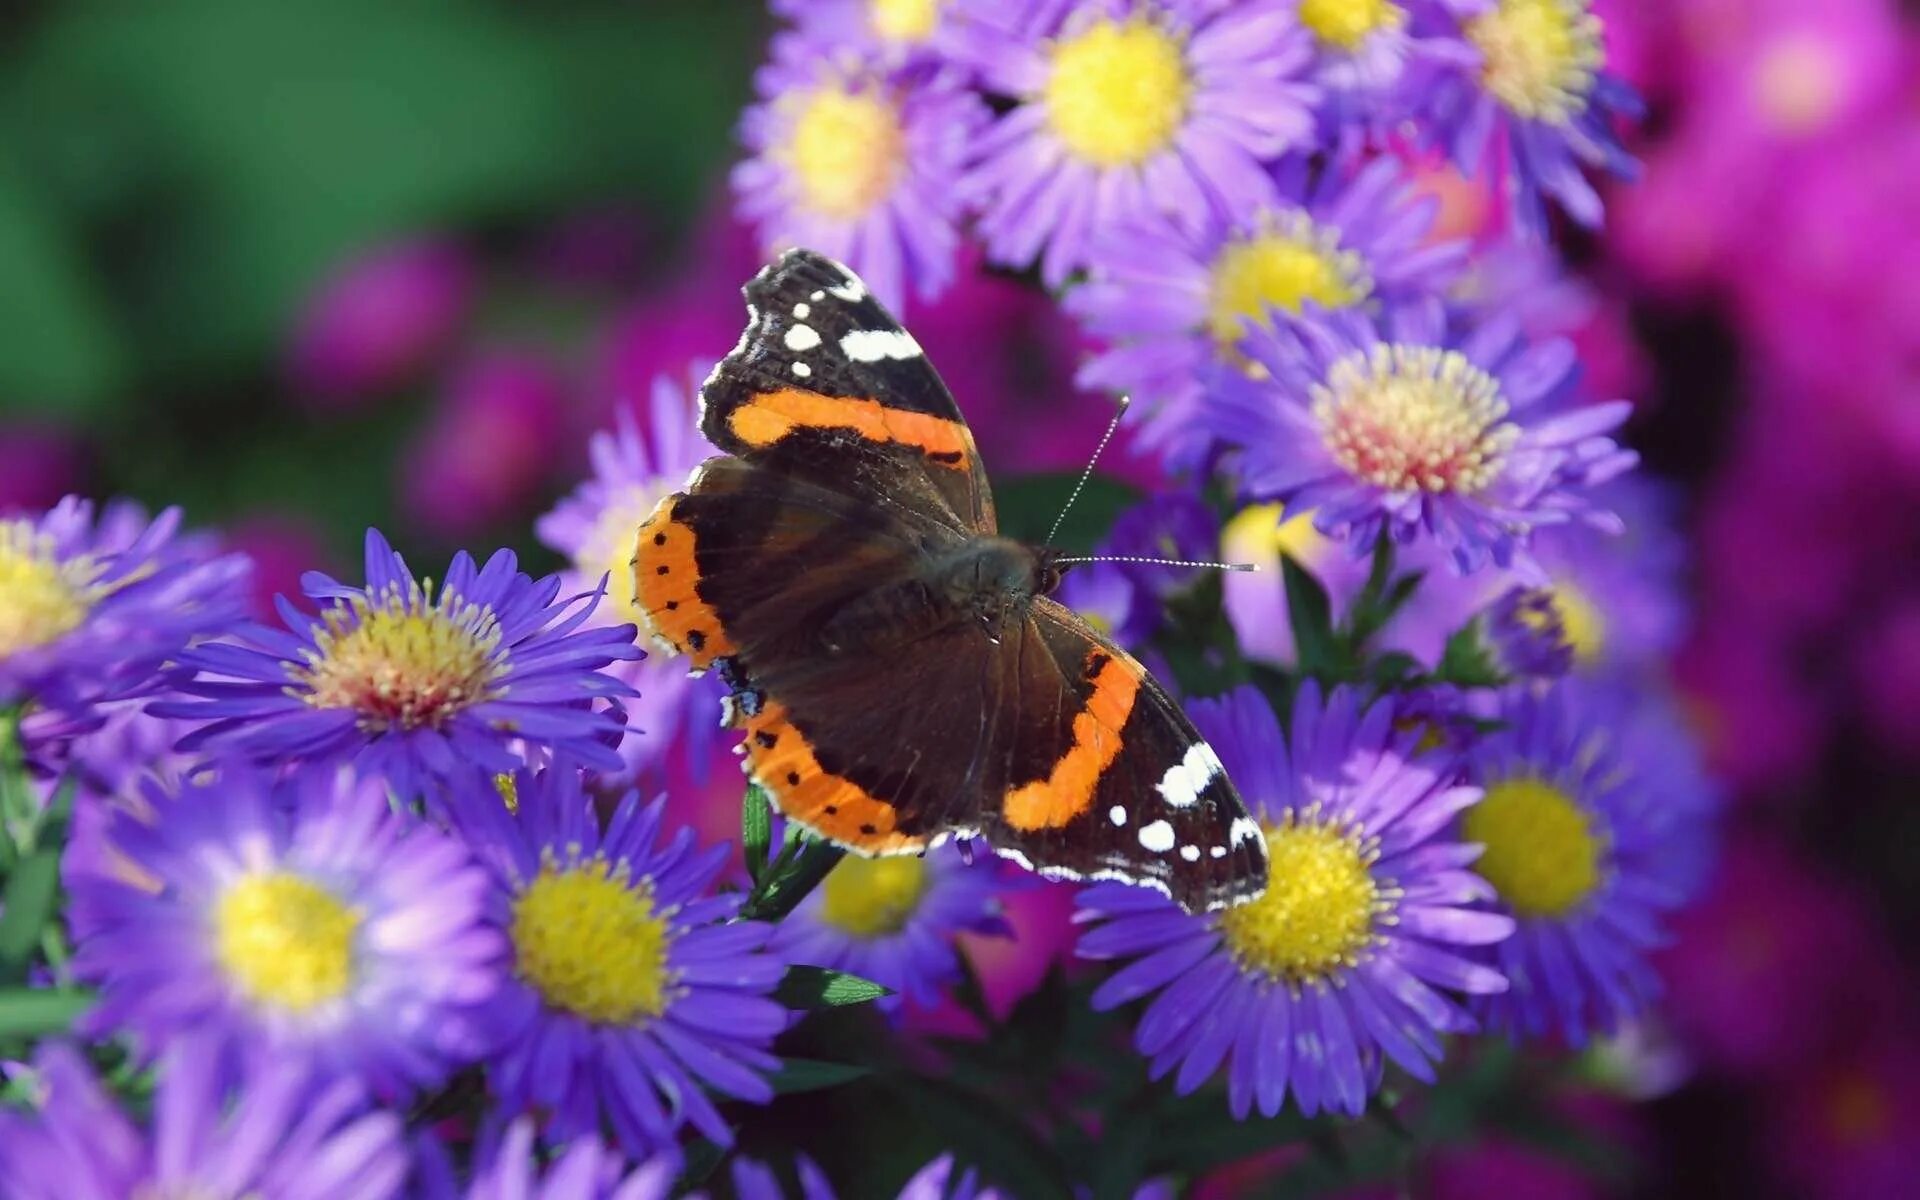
(509, 791)
(41, 598)
(590, 942)
(1539, 57)
(1799, 83)
(1415, 418)
(873, 897)
(1262, 533)
(1118, 92)
(1580, 622)
(285, 941)
(1289, 263)
(1542, 850)
(909, 21)
(608, 549)
(1319, 910)
(408, 661)
(847, 150)
(1347, 23)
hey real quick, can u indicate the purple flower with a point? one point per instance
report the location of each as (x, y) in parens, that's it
(381, 318)
(753, 1179)
(939, 1181)
(1342, 963)
(1362, 49)
(1128, 600)
(412, 682)
(1408, 430)
(641, 460)
(514, 1168)
(632, 993)
(893, 920)
(1527, 635)
(860, 163)
(1589, 848)
(92, 610)
(274, 1134)
(1538, 102)
(303, 921)
(1122, 109)
(895, 32)
(1172, 302)
(489, 447)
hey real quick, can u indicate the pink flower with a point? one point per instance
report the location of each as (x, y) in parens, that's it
(491, 446)
(380, 319)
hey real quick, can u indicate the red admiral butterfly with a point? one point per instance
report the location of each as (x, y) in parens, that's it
(897, 667)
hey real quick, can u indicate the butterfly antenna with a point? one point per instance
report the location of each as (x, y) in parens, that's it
(1157, 562)
(1087, 474)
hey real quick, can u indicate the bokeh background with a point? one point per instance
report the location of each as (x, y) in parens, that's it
(313, 265)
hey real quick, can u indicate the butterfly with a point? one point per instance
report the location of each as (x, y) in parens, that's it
(898, 669)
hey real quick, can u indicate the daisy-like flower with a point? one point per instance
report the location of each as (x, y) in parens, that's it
(893, 920)
(1362, 52)
(1171, 303)
(1527, 635)
(413, 682)
(896, 31)
(1121, 109)
(629, 997)
(302, 920)
(1344, 961)
(642, 459)
(91, 609)
(859, 162)
(1589, 852)
(1404, 429)
(276, 1133)
(515, 1168)
(1538, 103)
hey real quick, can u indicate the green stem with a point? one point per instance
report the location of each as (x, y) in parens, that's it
(785, 886)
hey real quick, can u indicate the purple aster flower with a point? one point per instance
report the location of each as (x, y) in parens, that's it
(274, 1134)
(939, 1181)
(384, 316)
(895, 32)
(860, 163)
(514, 1168)
(1172, 302)
(1121, 109)
(92, 610)
(1406, 429)
(646, 456)
(1342, 963)
(303, 920)
(1362, 48)
(1582, 846)
(413, 682)
(1526, 634)
(893, 920)
(631, 991)
(1537, 104)
(753, 1179)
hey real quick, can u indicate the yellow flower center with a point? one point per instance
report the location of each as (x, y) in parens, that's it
(1415, 418)
(608, 548)
(588, 939)
(1799, 83)
(873, 897)
(1543, 851)
(41, 598)
(408, 661)
(1263, 533)
(1347, 23)
(1317, 914)
(1289, 263)
(909, 21)
(846, 152)
(1580, 622)
(286, 941)
(1539, 57)
(1118, 92)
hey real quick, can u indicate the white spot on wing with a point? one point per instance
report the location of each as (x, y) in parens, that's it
(1190, 853)
(817, 297)
(802, 370)
(1117, 814)
(873, 345)
(802, 337)
(1157, 837)
(1218, 852)
(852, 291)
(1185, 780)
(802, 310)
(1245, 829)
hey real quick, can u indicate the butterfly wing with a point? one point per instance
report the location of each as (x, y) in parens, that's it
(827, 386)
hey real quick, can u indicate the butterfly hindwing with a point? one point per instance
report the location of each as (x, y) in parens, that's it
(826, 384)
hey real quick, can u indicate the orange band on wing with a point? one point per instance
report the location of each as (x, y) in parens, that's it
(666, 580)
(770, 416)
(780, 760)
(1052, 802)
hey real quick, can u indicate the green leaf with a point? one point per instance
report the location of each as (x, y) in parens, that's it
(818, 987)
(26, 908)
(1466, 662)
(812, 1075)
(1311, 614)
(40, 1012)
(793, 876)
(756, 829)
(60, 345)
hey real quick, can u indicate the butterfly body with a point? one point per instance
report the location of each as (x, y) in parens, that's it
(898, 668)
